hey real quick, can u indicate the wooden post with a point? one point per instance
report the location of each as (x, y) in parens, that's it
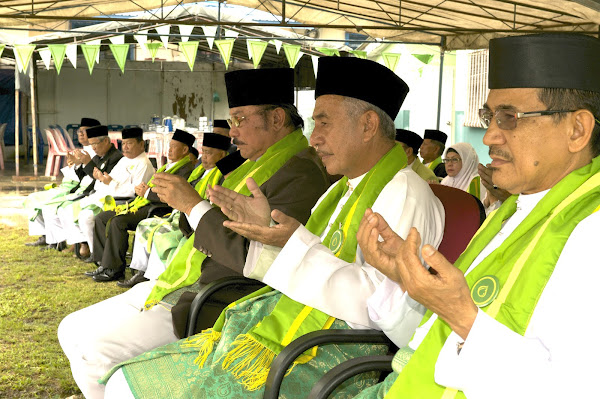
(33, 118)
(17, 114)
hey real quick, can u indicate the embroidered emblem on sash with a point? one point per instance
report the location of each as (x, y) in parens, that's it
(337, 239)
(485, 290)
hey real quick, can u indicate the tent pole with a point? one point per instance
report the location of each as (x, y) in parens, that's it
(33, 119)
(17, 113)
(439, 105)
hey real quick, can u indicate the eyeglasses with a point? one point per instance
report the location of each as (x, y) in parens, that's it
(235, 121)
(507, 120)
(451, 160)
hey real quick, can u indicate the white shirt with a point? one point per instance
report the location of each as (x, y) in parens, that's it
(308, 272)
(557, 357)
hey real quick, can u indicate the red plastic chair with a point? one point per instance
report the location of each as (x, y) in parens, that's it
(165, 145)
(155, 147)
(464, 214)
(55, 154)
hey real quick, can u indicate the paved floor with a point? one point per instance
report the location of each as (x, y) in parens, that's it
(14, 189)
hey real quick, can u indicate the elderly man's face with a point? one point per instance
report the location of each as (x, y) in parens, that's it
(429, 150)
(101, 145)
(336, 136)
(252, 135)
(210, 156)
(131, 148)
(82, 135)
(534, 156)
(177, 150)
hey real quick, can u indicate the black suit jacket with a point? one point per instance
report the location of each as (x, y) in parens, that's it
(105, 164)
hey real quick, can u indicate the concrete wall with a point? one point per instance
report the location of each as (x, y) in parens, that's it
(131, 98)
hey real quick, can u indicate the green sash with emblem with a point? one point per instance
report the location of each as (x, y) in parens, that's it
(252, 353)
(435, 163)
(508, 283)
(475, 187)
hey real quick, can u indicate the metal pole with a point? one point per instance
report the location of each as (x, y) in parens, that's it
(17, 113)
(33, 118)
(439, 106)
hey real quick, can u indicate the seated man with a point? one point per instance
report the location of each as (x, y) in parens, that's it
(134, 168)
(149, 231)
(111, 241)
(268, 130)
(411, 142)
(71, 182)
(431, 151)
(106, 158)
(321, 274)
(505, 329)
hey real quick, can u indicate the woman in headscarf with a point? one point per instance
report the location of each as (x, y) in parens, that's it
(461, 162)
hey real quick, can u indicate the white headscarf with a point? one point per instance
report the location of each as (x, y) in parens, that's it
(470, 160)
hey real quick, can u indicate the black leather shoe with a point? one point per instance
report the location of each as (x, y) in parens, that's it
(48, 247)
(40, 242)
(99, 270)
(89, 259)
(135, 279)
(61, 246)
(108, 275)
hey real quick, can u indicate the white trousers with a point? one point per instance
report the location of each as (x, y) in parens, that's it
(52, 220)
(84, 230)
(37, 227)
(139, 257)
(117, 387)
(150, 263)
(98, 337)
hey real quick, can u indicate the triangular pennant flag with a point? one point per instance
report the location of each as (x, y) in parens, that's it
(97, 42)
(225, 47)
(185, 31)
(257, 49)
(277, 44)
(209, 32)
(89, 53)
(315, 62)
(163, 31)
(292, 52)
(45, 56)
(424, 58)
(189, 49)
(58, 54)
(153, 48)
(391, 60)
(120, 53)
(117, 39)
(23, 54)
(328, 51)
(2, 49)
(359, 53)
(71, 53)
(248, 41)
(142, 38)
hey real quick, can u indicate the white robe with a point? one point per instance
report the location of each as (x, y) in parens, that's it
(556, 357)
(308, 272)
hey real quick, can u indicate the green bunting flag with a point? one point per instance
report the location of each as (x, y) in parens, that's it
(391, 60)
(189, 50)
(424, 58)
(153, 48)
(359, 53)
(58, 52)
(225, 47)
(257, 48)
(90, 51)
(120, 53)
(328, 51)
(292, 53)
(23, 55)
(2, 48)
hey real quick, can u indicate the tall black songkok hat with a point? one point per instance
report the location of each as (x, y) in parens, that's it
(221, 123)
(362, 79)
(132, 132)
(230, 163)
(260, 86)
(184, 137)
(217, 141)
(409, 138)
(559, 60)
(97, 131)
(437, 135)
(89, 122)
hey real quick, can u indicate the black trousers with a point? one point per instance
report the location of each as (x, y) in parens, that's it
(110, 249)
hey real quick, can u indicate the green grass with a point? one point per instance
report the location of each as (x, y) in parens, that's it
(37, 290)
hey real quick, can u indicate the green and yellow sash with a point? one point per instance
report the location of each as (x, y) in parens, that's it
(184, 269)
(252, 353)
(523, 264)
(475, 187)
(435, 163)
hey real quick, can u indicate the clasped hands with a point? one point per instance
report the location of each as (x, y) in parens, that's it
(251, 216)
(101, 176)
(442, 288)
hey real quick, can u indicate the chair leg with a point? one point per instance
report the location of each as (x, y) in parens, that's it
(49, 164)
